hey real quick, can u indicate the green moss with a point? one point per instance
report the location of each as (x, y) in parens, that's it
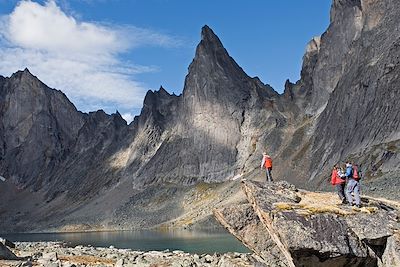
(393, 146)
(283, 206)
(203, 187)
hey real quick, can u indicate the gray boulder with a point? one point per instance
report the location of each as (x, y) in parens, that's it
(391, 256)
(312, 229)
(245, 225)
(6, 254)
(7, 242)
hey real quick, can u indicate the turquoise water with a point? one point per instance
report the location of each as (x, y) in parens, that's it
(187, 240)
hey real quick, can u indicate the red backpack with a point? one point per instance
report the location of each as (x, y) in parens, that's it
(356, 175)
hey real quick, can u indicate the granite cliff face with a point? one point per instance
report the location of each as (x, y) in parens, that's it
(46, 141)
(344, 107)
(362, 111)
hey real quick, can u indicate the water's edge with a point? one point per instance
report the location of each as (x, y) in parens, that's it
(204, 241)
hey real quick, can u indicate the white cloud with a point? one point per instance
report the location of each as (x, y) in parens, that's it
(128, 117)
(83, 59)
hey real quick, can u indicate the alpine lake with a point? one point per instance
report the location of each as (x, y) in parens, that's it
(192, 241)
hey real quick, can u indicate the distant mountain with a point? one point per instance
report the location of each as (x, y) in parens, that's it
(93, 170)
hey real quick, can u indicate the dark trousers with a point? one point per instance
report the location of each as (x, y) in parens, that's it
(269, 174)
(340, 190)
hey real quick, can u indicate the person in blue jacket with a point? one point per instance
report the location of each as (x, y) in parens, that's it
(353, 186)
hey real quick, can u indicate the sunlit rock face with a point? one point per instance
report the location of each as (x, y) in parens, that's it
(211, 117)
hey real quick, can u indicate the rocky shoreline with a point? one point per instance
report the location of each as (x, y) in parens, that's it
(58, 254)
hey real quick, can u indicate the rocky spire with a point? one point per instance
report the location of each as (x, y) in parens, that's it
(209, 40)
(213, 75)
(211, 56)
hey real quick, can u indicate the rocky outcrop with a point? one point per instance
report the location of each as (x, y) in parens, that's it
(7, 243)
(391, 256)
(5, 252)
(244, 223)
(313, 229)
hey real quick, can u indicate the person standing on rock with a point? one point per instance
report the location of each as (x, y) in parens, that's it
(353, 186)
(338, 181)
(267, 164)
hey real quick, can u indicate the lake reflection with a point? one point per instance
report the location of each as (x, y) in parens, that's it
(204, 241)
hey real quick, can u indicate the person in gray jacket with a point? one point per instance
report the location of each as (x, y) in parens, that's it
(353, 186)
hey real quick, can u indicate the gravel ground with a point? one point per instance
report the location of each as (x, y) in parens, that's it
(55, 254)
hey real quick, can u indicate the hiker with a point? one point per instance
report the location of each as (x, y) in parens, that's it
(353, 185)
(267, 164)
(337, 180)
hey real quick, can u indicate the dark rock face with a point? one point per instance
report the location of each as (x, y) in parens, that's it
(6, 254)
(345, 27)
(312, 229)
(47, 144)
(362, 111)
(36, 131)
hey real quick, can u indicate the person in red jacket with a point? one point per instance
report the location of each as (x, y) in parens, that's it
(267, 164)
(338, 182)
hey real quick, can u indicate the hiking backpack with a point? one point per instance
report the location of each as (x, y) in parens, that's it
(356, 173)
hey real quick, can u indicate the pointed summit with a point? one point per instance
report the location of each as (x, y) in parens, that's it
(211, 58)
(26, 78)
(215, 76)
(209, 39)
(210, 48)
(23, 73)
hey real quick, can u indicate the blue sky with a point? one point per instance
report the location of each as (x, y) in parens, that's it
(107, 53)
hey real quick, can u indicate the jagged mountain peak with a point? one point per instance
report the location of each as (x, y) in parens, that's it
(211, 54)
(153, 97)
(163, 93)
(162, 89)
(26, 82)
(209, 38)
(213, 74)
(24, 75)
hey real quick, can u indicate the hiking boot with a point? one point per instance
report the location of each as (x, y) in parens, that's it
(344, 201)
(358, 206)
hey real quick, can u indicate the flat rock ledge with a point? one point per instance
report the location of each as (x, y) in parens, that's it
(285, 226)
(57, 254)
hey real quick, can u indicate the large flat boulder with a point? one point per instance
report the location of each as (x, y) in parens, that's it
(244, 224)
(312, 228)
(308, 237)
